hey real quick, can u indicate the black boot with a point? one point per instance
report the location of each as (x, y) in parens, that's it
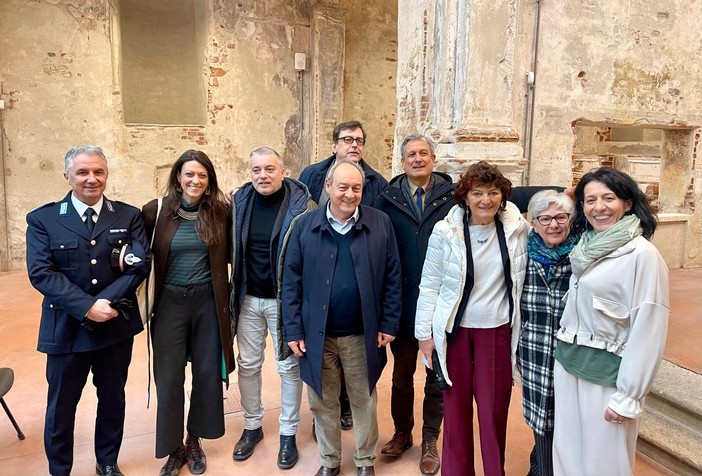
(287, 456)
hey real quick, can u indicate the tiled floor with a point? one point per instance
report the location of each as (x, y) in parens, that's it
(18, 331)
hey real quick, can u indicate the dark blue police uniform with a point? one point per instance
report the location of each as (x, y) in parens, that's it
(71, 267)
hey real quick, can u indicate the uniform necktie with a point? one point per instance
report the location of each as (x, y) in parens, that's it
(420, 192)
(89, 212)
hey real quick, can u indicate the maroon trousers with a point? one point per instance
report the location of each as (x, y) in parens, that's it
(479, 366)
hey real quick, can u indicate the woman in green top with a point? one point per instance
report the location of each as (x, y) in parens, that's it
(191, 319)
(613, 329)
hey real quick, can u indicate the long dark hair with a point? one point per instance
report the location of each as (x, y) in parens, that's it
(212, 213)
(478, 174)
(625, 188)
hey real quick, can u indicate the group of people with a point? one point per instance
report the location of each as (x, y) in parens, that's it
(335, 266)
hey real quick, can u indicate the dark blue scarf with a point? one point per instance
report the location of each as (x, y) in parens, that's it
(539, 252)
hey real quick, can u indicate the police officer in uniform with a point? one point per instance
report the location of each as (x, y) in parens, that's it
(86, 254)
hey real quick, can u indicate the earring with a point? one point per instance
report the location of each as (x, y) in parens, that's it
(207, 191)
(178, 188)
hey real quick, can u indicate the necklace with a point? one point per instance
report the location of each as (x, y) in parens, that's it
(481, 242)
(186, 215)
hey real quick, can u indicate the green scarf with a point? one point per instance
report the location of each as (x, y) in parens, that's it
(593, 246)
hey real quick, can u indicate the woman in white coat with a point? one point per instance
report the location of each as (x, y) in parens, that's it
(468, 304)
(612, 333)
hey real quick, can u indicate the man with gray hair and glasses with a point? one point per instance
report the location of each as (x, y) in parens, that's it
(86, 254)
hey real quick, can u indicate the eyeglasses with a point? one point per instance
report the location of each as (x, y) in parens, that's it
(348, 140)
(545, 220)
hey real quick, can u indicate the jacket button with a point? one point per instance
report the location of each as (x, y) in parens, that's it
(575, 285)
(62, 247)
(92, 242)
(94, 281)
(327, 281)
(324, 306)
(93, 261)
(51, 306)
(331, 256)
(321, 333)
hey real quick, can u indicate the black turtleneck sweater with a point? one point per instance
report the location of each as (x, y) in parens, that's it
(260, 276)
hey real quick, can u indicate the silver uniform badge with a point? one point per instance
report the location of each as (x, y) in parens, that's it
(131, 260)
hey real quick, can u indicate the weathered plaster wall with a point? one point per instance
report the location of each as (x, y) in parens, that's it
(460, 68)
(461, 78)
(370, 76)
(628, 64)
(61, 79)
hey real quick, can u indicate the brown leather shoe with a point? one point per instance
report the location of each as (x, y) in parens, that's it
(400, 442)
(429, 463)
(365, 471)
(324, 471)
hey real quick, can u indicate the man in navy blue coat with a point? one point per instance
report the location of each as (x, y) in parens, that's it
(348, 141)
(84, 253)
(342, 296)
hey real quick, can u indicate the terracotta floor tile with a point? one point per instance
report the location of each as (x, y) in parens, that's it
(27, 400)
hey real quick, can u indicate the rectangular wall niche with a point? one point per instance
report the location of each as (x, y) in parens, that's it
(162, 61)
(634, 150)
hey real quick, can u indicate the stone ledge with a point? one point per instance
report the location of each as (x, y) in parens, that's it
(680, 387)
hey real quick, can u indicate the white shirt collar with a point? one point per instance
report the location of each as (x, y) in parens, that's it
(342, 227)
(82, 207)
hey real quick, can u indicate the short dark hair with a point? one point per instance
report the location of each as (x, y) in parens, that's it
(482, 173)
(348, 125)
(625, 188)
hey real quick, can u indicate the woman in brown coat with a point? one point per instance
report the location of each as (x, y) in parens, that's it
(191, 317)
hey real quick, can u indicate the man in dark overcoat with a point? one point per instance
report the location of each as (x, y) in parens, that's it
(415, 201)
(341, 306)
(84, 254)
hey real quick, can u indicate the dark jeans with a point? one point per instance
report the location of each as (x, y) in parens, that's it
(405, 350)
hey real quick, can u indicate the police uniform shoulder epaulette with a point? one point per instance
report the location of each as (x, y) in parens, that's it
(128, 205)
(48, 204)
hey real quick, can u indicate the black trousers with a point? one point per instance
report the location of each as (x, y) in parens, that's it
(405, 350)
(186, 327)
(66, 375)
(541, 457)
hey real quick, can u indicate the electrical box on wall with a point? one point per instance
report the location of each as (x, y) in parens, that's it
(300, 61)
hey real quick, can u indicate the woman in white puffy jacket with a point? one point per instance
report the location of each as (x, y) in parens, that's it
(613, 329)
(468, 312)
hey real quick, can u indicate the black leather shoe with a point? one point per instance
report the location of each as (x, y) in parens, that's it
(324, 471)
(108, 470)
(287, 456)
(346, 420)
(176, 460)
(244, 448)
(365, 471)
(197, 461)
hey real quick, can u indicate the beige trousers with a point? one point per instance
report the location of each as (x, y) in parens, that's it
(348, 352)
